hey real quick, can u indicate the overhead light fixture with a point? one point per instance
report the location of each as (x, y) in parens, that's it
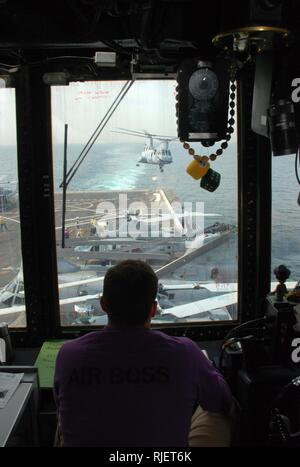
(106, 59)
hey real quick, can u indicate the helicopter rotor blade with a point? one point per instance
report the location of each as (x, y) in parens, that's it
(144, 134)
(163, 138)
(133, 131)
(127, 133)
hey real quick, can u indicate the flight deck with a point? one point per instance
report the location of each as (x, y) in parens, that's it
(101, 228)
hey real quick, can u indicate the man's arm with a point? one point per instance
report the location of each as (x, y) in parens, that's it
(214, 394)
(213, 421)
(210, 429)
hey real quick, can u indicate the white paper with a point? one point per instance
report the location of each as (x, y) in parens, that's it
(8, 384)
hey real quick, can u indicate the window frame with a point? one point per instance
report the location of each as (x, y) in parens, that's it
(33, 107)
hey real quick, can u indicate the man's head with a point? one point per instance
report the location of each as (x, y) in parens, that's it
(129, 293)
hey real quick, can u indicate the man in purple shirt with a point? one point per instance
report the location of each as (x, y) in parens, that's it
(129, 385)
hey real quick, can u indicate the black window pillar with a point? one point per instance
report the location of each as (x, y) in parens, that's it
(33, 110)
(254, 205)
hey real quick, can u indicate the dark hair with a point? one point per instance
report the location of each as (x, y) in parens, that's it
(129, 290)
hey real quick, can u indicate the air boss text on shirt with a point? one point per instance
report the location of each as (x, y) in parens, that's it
(118, 375)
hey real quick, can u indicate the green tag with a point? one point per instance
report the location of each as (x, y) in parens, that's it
(211, 180)
(45, 362)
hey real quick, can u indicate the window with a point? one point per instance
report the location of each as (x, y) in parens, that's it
(132, 198)
(285, 218)
(12, 304)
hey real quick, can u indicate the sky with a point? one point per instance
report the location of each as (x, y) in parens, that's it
(149, 105)
(7, 117)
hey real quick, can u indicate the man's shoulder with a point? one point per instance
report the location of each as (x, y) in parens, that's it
(183, 342)
(80, 342)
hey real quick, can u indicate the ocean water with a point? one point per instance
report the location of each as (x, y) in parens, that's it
(113, 167)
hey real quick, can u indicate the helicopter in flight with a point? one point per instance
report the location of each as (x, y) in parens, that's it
(160, 155)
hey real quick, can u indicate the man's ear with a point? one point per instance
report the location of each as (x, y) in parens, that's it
(153, 309)
(103, 304)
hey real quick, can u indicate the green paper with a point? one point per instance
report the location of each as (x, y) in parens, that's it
(45, 362)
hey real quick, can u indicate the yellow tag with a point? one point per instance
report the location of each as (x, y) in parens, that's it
(196, 170)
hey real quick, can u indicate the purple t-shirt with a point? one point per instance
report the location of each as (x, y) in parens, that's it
(133, 387)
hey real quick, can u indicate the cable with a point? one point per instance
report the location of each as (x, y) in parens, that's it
(92, 138)
(9, 68)
(231, 341)
(243, 325)
(9, 65)
(117, 48)
(4, 69)
(68, 56)
(97, 132)
(70, 174)
(49, 59)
